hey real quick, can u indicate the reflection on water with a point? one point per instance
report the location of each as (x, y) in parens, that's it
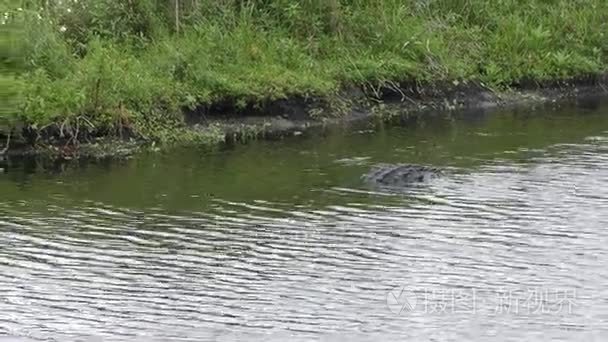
(282, 241)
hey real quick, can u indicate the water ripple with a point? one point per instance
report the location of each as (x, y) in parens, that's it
(263, 268)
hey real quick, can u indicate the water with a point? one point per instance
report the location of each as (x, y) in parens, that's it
(280, 240)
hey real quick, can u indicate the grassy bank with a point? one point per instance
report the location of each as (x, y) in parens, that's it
(72, 70)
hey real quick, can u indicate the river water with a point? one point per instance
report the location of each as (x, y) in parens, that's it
(281, 240)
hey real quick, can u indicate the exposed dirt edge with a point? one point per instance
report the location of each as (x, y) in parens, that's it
(297, 114)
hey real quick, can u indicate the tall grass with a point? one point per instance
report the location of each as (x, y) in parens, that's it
(120, 63)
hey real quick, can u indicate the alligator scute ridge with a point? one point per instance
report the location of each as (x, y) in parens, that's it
(398, 175)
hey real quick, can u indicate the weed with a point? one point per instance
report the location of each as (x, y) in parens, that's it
(132, 66)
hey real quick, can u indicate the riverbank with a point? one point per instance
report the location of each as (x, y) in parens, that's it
(87, 73)
(401, 100)
(296, 116)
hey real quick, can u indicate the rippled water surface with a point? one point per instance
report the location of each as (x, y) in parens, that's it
(282, 241)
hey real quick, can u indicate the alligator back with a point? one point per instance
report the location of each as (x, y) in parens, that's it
(400, 175)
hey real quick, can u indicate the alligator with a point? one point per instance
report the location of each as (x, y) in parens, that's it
(400, 175)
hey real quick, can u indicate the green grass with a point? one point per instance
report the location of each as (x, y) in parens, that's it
(116, 64)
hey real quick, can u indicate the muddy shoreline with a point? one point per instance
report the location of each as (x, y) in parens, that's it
(297, 115)
(292, 116)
